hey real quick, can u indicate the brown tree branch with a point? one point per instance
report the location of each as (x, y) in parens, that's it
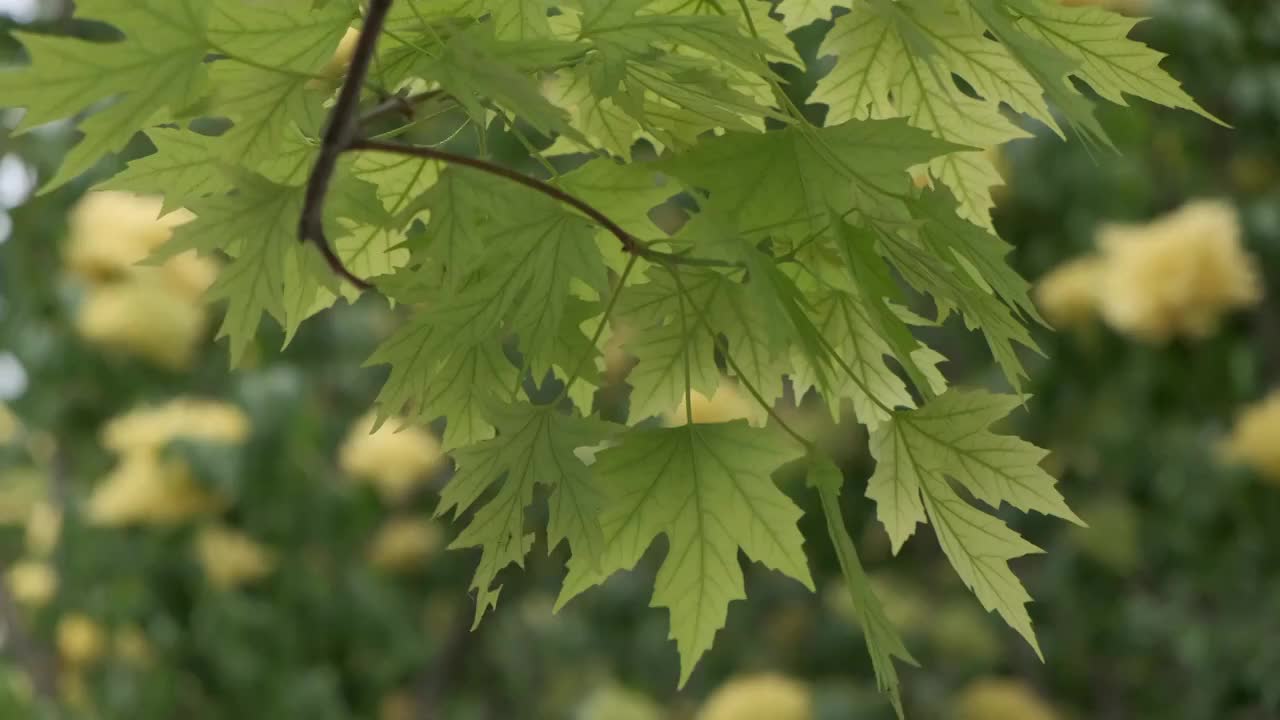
(341, 136)
(629, 242)
(344, 123)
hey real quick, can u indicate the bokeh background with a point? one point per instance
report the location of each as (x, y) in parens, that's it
(177, 540)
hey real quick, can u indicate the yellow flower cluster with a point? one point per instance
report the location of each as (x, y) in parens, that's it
(1001, 699)
(1255, 440)
(32, 582)
(231, 559)
(395, 459)
(405, 544)
(759, 697)
(147, 488)
(1174, 276)
(153, 313)
(615, 702)
(80, 640)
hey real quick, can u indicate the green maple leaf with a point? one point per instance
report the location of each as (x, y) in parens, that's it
(878, 75)
(798, 13)
(156, 71)
(793, 178)
(883, 641)
(1111, 63)
(182, 169)
(431, 378)
(673, 349)
(534, 446)
(707, 488)
(918, 450)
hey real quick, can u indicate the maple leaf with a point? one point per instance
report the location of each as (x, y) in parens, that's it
(707, 488)
(157, 70)
(883, 641)
(534, 446)
(792, 178)
(918, 450)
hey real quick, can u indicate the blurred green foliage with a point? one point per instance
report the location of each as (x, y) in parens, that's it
(1167, 607)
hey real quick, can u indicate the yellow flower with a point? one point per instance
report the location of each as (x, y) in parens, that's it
(144, 319)
(404, 544)
(130, 644)
(32, 583)
(759, 697)
(1068, 295)
(614, 702)
(726, 404)
(9, 425)
(145, 489)
(110, 232)
(21, 489)
(230, 558)
(188, 275)
(44, 525)
(80, 639)
(1001, 699)
(1255, 440)
(1176, 275)
(395, 460)
(398, 706)
(153, 427)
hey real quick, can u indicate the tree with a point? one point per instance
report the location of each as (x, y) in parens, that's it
(804, 233)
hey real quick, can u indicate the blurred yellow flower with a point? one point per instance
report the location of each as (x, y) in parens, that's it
(231, 559)
(153, 427)
(1068, 294)
(44, 525)
(1001, 699)
(394, 460)
(130, 643)
(9, 425)
(144, 319)
(188, 275)
(405, 544)
(614, 702)
(80, 639)
(1178, 274)
(110, 232)
(759, 697)
(21, 489)
(146, 489)
(1255, 439)
(32, 583)
(726, 404)
(398, 706)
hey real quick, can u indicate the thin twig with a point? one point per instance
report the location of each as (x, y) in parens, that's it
(399, 103)
(629, 241)
(344, 123)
